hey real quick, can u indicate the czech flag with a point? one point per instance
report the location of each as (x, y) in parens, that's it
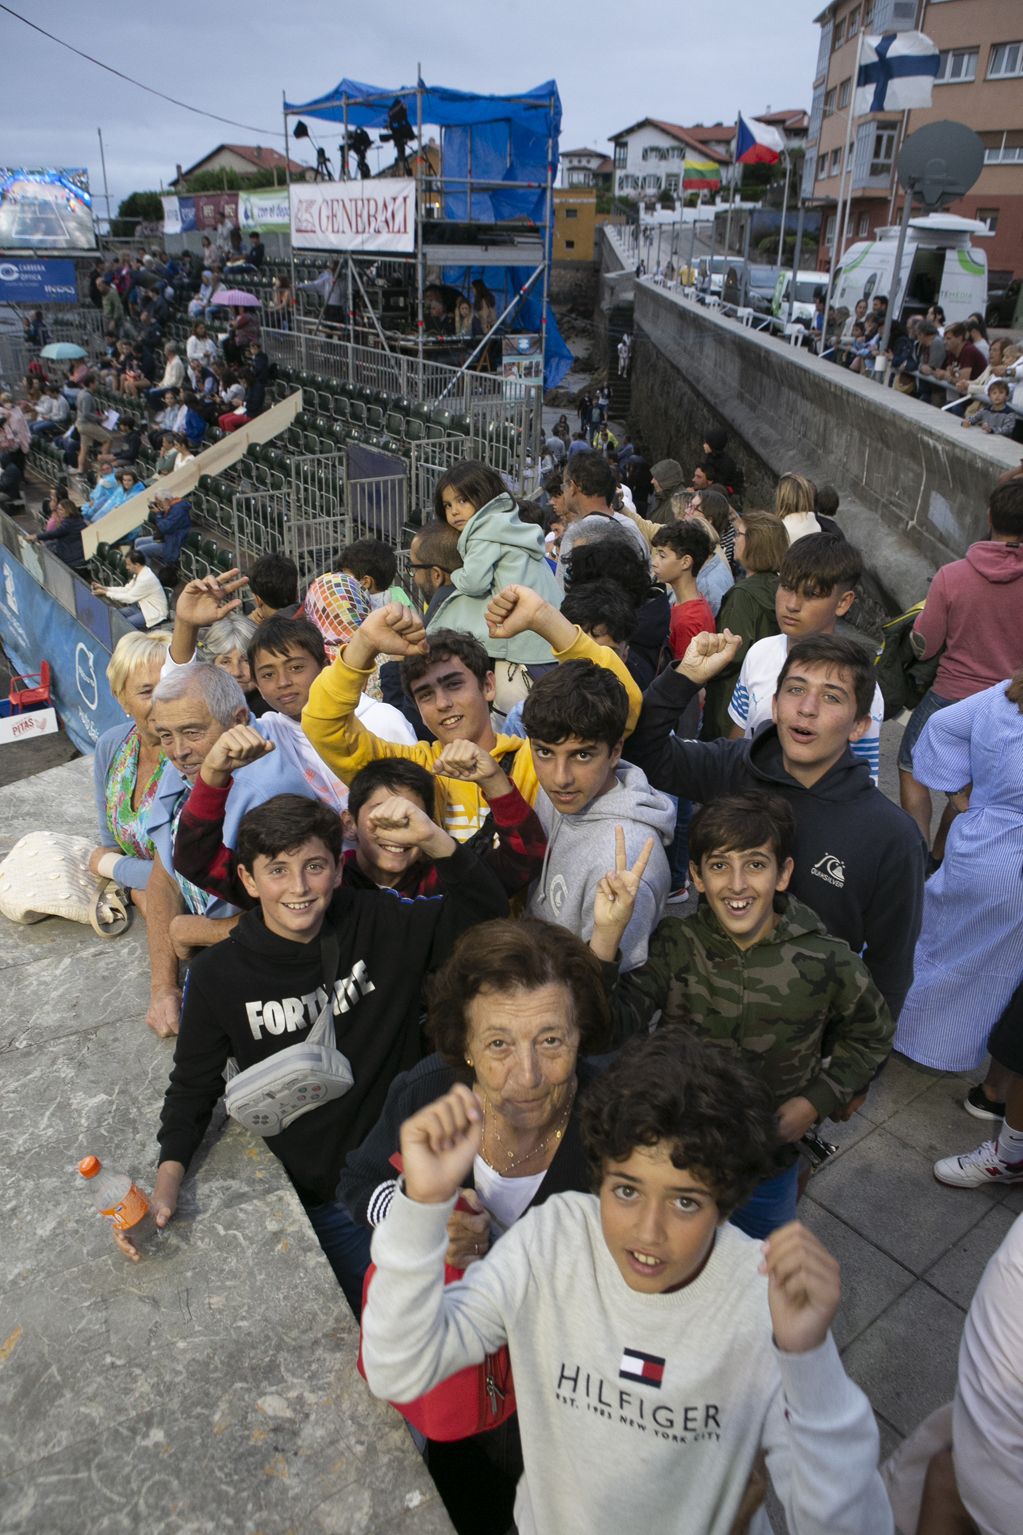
(757, 143)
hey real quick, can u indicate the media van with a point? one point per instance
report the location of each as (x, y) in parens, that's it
(940, 265)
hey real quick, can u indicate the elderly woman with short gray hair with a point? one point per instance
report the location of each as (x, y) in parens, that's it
(226, 643)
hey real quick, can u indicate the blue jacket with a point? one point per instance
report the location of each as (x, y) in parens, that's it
(173, 527)
(131, 872)
(251, 786)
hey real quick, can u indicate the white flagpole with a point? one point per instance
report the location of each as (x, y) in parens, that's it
(784, 211)
(731, 190)
(842, 220)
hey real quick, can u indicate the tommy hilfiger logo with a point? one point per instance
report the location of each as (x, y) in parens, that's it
(646, 1368)
(831, 869)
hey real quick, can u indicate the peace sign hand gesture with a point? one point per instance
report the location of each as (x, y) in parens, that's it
(615, 899)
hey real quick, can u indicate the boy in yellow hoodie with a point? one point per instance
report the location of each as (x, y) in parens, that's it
(449, 676)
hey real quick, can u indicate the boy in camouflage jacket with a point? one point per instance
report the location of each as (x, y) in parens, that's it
(756, 971)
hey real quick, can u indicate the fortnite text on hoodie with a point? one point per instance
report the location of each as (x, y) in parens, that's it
(258, 993)
(859, 858)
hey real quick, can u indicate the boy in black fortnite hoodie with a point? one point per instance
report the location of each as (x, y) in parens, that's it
(859, 859)
(266, 984)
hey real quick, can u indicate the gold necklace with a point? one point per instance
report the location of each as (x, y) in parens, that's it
(555, 1135)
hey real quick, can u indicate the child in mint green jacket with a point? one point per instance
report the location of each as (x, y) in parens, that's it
(498, 549)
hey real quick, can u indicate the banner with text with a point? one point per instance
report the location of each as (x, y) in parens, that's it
(34, 625)
(376, 215)
(264, 211)
(38, 282)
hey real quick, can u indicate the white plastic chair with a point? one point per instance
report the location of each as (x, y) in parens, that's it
(744, 316)
(794, 333)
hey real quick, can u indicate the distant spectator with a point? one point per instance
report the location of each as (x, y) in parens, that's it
(142, 599)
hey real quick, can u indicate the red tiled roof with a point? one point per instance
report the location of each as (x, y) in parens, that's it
(259, 157)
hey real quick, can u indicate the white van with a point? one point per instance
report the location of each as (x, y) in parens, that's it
(940, 265)
(808, 285)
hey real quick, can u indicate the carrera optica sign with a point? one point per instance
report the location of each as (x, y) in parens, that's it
(37, 282)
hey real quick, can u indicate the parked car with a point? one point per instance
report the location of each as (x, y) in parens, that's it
(1003, 300)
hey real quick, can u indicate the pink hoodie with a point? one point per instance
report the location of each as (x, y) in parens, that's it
(975, 609)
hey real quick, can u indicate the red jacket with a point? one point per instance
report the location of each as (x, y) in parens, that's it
(975, 609)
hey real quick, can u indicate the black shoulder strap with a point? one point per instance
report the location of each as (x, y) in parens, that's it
(331, 955)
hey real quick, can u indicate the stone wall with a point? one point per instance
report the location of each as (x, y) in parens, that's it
(913, 484)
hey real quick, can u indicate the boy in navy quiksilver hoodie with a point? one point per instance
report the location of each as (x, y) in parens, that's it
(859, 859)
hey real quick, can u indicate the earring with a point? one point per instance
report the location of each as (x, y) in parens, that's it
(468, 1060)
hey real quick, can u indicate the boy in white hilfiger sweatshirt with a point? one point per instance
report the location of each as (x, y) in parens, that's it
(655, 1349)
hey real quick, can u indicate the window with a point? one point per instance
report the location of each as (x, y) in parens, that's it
(570, 245)
(852, 25)
(884, 148)
(838, 37)
(829, 103)
(651, 183)
(988, 216)
(1006, 61)
(671, 181)
(1003, 148)
(836, 162)
(829, 230)
(863, 229)
(958, 64)
(844, 92)
(621, 155)
(571, 213)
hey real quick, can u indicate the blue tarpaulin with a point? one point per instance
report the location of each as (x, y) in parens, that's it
(483, 138)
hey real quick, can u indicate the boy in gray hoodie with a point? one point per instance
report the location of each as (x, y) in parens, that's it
(575, 718)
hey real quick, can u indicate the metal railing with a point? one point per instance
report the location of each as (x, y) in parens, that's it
(505, 419)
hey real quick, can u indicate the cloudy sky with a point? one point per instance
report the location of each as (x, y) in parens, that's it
(684, 60)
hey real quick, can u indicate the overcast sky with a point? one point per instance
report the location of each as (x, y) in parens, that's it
(684, 60)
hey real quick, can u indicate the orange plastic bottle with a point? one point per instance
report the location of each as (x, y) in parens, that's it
(114, 1194)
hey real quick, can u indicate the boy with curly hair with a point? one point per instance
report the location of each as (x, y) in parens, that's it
(656, 1350)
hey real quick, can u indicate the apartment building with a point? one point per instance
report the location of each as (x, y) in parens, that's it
(979, 83)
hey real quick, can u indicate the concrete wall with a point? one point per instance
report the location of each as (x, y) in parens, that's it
(913, 484)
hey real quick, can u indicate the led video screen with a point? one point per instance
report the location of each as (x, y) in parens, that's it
(45, 210)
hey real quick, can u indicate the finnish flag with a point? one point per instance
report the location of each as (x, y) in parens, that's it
(896, 73)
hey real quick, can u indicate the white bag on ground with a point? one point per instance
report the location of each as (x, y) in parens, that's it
(47, 874)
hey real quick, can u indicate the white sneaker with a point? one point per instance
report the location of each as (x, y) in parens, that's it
(977, 1167)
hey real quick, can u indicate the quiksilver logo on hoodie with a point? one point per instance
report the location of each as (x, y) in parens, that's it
(831, 869)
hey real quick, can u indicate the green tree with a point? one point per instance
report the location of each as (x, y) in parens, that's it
(139, 205)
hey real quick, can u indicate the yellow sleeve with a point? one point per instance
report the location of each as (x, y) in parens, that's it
(583, 648)
(343, 742)
(645, 526)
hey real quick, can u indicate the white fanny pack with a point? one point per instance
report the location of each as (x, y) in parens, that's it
(268, 1097)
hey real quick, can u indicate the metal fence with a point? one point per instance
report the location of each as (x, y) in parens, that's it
(505, 418)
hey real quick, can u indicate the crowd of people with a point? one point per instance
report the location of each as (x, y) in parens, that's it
(456, 835)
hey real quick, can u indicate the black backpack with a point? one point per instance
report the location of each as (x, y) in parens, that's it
(901, 676)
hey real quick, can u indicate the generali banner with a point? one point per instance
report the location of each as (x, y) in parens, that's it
(354, 215)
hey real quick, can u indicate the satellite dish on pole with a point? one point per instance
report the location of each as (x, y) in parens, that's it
(940, 162)
(937, 164)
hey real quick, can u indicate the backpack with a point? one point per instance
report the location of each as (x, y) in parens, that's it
(901, 676)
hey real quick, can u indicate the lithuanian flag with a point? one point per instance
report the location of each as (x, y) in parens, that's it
(701, 176)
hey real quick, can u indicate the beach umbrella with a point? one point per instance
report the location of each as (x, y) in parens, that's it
(233, 297)
(63, 351)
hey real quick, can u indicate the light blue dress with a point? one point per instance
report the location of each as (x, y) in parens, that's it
(969, 956)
